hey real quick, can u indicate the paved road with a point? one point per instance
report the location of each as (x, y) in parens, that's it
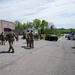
(47, 58)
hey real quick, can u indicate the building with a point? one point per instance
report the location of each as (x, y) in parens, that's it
(6, 24)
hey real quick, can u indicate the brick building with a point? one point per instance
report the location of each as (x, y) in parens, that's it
(6, 24)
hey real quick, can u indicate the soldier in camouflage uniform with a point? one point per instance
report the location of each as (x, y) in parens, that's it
(31, 39)
(2, 38)
(27, 38)
(10, 39)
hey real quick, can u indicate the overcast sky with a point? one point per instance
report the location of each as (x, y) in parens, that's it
(60, 12)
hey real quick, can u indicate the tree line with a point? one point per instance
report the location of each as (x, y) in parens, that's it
(43, 27)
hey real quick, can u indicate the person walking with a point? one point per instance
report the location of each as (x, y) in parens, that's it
(31, 39)
(27, 38)
(10, 39)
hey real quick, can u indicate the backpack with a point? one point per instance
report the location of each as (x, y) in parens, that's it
(10, 36)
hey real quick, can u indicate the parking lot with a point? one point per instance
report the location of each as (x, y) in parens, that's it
(47, 58)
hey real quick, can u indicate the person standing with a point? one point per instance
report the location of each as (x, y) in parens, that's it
(74, 39)
(10, 39)
(2, 38)
(31, 39)
(27, 38)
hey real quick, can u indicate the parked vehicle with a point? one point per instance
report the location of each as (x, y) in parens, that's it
(51, 37)
(71, 36)
(66, 35)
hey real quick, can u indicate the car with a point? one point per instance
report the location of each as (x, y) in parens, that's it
(51, 37)
(66, 35)
(71, 36)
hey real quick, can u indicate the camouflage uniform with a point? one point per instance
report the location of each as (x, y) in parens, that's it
(10, 38)
(31, 39)
(2, 38)
(27, 38)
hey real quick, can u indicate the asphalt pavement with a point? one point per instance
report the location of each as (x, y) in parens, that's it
(47, 58)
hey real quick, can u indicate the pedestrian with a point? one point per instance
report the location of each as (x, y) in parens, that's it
(31, 39)
(27, 38)
(10, 38)
(2, 38)
(74, 39)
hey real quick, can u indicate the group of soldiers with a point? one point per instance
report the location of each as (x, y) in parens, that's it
(11, 36)
(30, 39)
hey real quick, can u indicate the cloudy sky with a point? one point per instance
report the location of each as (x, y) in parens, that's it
(60, 12)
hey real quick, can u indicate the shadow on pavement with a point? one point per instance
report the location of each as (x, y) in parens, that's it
(4, 52)
(74, 52)
(73, 47)
(25, 47)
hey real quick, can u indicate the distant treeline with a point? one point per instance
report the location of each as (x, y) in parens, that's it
(63, 30)
(43, 27)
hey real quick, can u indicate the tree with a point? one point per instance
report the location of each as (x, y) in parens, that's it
(52, 28)
(44, 25)
(36, 23)
(18, 25)
(29, 24)
(24, 26)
